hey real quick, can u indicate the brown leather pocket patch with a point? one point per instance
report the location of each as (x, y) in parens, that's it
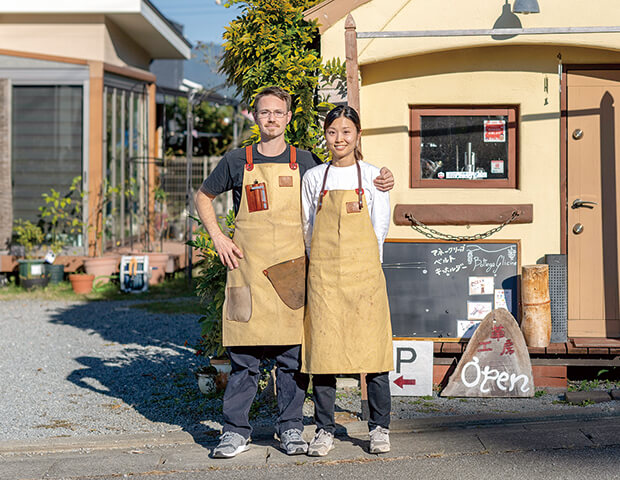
(285, 180)
(289, 281)
(353, 207)
(238, 304)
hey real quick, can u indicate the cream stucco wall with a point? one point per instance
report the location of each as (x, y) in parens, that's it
(406, 15)
(85, 37)
(396, 73)
(481, 76)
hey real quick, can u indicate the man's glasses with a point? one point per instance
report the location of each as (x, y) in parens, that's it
(266, 113)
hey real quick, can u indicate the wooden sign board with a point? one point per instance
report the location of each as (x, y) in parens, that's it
(496, 362)
(413, 368)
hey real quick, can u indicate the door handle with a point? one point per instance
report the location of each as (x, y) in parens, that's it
(578, 203)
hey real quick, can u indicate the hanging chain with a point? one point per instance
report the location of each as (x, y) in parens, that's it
(434, 234)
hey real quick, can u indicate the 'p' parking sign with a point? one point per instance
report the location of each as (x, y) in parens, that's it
(413, 368)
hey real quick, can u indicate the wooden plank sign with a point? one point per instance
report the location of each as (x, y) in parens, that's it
(496, 362)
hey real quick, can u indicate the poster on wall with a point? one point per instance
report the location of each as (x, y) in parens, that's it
(478, 310)
(494, 131)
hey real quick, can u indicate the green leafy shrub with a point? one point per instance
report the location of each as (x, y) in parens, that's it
(28, 235)
(211, 288)
(61, 215)
(272, 44)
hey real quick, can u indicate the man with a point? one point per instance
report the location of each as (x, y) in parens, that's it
(263, 312)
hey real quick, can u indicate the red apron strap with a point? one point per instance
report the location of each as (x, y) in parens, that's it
(323, 191)
(249, 161)
(293, 159)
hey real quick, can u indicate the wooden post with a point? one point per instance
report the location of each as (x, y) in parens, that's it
(353, 100)
(350, 50)
(536, 320)
(96, 158)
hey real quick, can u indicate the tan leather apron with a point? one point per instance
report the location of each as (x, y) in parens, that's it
(347, 325)
(265, 294)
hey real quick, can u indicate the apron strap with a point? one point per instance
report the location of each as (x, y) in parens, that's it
(293, 159)
(323, 192)
(359, 190)
(249, 162)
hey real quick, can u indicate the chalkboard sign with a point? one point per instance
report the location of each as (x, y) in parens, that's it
(444, 289)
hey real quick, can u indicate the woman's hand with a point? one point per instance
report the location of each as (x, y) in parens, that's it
(385, 180)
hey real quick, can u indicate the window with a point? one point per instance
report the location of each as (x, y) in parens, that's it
(46, 141)
(463, 147)
(125, 162)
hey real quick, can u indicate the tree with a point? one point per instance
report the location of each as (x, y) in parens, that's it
(272, 44)
(213, 123)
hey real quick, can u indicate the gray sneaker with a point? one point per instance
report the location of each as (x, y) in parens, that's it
(231, 444)
(292, 442)
(379, 440)
(321, 444)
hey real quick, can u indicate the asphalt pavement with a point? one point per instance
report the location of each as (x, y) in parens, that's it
(577, 444)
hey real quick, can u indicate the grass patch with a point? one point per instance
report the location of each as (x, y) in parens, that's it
(174, 287)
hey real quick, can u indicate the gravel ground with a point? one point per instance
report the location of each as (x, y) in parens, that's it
(72, 369)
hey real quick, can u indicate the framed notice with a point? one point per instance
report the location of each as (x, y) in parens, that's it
(494, 130)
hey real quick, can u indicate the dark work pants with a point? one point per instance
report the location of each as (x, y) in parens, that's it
(243, 382)
(324, 397)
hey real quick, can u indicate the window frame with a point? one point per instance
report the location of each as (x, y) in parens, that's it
(417, 111)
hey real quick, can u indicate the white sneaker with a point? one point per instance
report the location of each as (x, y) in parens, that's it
(379, 440)
(231, 444)
(321, 444)
(292, 442)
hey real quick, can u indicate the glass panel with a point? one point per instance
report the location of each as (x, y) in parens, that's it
(126, 140)
(469, 147)
(46, 142)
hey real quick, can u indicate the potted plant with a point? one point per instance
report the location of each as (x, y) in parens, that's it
(31, 271)
(211, 287)
(61, 217)
(81, 282)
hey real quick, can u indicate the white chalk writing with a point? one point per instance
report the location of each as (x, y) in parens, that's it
(488, 375)
(438, 252)
(489, 266)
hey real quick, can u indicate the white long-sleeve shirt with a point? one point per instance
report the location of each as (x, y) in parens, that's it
(345, 178)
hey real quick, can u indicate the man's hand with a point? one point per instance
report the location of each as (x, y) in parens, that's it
(227, 250)
(385, 181)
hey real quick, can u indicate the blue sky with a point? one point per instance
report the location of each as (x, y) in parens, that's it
(204, 20)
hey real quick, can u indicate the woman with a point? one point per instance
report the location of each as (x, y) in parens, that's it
(347, 322)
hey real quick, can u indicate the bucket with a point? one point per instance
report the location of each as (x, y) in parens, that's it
(55, 272)
(32, 273)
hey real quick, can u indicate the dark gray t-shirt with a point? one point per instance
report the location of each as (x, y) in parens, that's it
(228, 174)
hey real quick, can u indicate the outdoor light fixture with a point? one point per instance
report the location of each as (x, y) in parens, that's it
(526, 6)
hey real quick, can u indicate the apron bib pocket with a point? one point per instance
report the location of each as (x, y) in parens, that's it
(238, 304)
(256, 195)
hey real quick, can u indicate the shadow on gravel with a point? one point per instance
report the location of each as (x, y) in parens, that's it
(145, 361)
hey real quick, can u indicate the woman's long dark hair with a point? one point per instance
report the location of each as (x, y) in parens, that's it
(351, 114)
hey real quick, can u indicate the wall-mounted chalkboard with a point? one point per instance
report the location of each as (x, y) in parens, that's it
(441, 289)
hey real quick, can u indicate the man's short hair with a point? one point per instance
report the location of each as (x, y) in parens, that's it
(276, 92)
